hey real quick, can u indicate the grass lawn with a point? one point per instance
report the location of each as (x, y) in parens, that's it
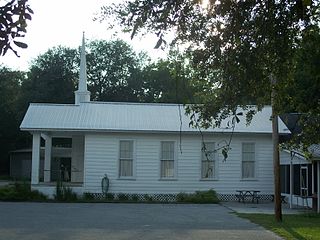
(297, 226)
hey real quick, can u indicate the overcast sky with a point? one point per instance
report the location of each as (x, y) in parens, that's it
(61, 22)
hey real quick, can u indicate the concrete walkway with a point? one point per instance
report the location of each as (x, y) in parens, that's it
(51, 221)
(265, 208)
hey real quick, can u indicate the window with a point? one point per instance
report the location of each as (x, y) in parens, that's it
(248, 160)
(167, 160)
(207, 160)
(126, 159)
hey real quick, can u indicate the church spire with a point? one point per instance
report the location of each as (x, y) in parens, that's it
(82, 94)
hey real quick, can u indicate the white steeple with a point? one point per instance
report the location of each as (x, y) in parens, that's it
(82, 94)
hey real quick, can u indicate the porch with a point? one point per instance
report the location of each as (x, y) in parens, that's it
(62, 160)
(300, 180)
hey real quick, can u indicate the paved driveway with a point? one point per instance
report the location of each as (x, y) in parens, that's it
(59, 221)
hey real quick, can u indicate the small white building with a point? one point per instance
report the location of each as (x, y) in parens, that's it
(148, 148)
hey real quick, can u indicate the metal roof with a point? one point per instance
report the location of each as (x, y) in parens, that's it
(138, 117)
(314, 149)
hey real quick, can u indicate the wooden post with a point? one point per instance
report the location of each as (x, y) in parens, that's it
(276, 158)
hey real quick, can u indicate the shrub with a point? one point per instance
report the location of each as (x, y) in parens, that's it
(198, 197)
(122, 197)
(88, 196)
(109, 196)
(21, 192)
(64, 193)
(181, 197)
(134, 198)
(148, 198)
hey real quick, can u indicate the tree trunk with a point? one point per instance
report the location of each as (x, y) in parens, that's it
(276, 159)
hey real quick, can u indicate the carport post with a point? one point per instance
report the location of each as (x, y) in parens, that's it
(318, 163)
(291, 182)
(35, 158)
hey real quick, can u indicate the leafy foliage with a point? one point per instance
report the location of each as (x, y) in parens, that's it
(114, 71)
(20, 192)
(302, 92)
(13, 25)
(65, 193)
(123, 197)
(168, 80)
(198, 197)
(10, 90)
(52, 77)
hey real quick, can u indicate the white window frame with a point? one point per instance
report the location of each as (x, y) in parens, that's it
(132, 159)
(174, 161)
(204, 159)
(246, 160)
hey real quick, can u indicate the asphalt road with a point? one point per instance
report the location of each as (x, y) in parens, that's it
(82, 221)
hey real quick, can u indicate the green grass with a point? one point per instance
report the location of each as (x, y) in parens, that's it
(296, 226)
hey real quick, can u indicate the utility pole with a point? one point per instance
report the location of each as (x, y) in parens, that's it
(276, 158)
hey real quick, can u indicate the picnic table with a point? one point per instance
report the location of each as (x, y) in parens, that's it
(244, 195)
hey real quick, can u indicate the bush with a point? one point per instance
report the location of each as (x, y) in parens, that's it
(110, 196)
(134, 198)
(181, 197)
(148, 198)
(64, 193)
(88, 196)
(198, 197)
(21, 192)
(122, 197)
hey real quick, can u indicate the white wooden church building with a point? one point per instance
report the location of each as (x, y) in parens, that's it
(145, 148)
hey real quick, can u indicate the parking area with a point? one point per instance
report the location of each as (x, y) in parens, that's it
(84, 221)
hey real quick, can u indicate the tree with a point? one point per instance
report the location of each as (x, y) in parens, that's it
(9, 122)
(168, 80)
(235, 47)
(13, 25)
(52, 77)
(114, 71)
(302, 93)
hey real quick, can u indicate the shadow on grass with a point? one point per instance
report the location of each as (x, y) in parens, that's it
(293, 233)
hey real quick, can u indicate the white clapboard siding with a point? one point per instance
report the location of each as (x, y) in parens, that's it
(102, 153)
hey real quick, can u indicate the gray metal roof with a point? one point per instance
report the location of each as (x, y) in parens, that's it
(139, 117)
(314, 149)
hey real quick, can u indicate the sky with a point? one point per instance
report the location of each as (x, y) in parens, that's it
(61, 22)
